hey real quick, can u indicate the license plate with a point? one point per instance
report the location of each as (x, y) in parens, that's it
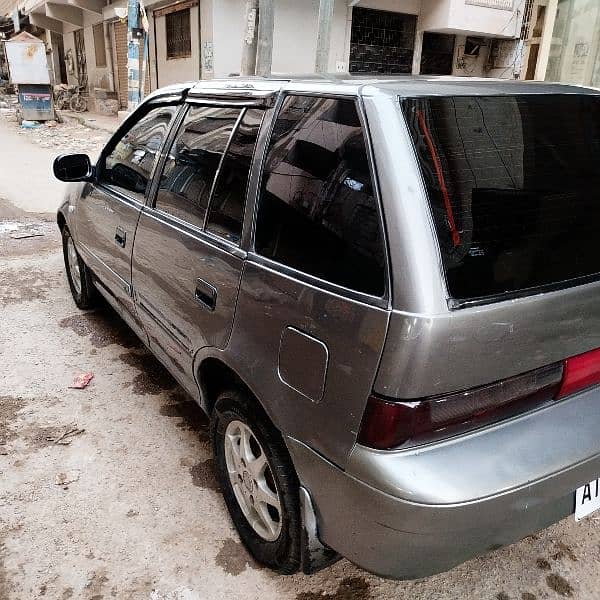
(587, 499)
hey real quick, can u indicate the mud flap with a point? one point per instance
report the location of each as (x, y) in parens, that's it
(315, 556)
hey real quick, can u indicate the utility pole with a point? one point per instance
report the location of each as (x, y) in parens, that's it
(250, 39)
(264, 53)
(133, 56)
(324, 35)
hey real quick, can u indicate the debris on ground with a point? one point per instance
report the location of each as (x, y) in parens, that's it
(67, 477)
(26, 234)
(66, 438)
(68, 137)
(29, 124)
(81, 381)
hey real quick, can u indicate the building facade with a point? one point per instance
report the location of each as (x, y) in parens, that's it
(203, 39)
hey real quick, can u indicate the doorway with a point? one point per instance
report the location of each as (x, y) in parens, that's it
(80, 56)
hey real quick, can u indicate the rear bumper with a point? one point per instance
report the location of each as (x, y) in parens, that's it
(410, 514)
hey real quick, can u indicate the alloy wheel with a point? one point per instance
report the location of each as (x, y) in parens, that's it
(74, 269)
(252, 480)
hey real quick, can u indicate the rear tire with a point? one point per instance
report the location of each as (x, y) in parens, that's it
(263, 501)
(78, 275)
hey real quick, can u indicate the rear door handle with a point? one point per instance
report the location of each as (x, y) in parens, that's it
(205, 294)
(120, 237)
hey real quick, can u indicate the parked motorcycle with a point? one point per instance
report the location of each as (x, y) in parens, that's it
(70, 96)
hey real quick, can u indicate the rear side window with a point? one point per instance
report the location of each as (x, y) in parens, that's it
(227, 205)
(192, 162)
(513, 186)
(128, 166)
(317, 212)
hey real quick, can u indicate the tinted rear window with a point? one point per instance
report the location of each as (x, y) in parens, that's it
(513, 186)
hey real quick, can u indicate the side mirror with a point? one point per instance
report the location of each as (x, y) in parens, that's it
(73, 167)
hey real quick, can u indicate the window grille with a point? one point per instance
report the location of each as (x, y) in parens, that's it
(501, 4)
(179, 40)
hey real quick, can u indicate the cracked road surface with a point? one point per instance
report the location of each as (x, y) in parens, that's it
(109, 492)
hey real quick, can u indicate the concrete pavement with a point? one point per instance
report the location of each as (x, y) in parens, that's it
(26, 172)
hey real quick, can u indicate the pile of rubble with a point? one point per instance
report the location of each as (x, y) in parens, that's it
(67, 137)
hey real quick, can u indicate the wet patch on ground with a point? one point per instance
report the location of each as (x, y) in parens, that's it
(350, 588)
(233, 558)
(203, 475)
(564, 551)
(9, 408)
(97, 580)
(190, 416)
(104, 328)
(542, 563)
(24, 285)
(152, 379)
(560, 585)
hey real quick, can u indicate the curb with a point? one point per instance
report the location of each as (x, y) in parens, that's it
(89, 124)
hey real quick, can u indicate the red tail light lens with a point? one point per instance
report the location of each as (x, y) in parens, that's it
(390, 424)
(581, 371)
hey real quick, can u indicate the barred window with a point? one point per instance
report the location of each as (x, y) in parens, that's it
(179, 40)
(99, 46)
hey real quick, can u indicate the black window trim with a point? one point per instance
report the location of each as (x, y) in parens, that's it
(125, 127)
(176, 222)
(383, 301)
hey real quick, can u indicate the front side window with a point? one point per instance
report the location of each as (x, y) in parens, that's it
(192, 162)
(512, 183)
(128, 166)
(318, 212)
(229, 199)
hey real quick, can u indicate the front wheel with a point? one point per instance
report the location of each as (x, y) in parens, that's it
(258, 480)
(78, 103)
(79, 276)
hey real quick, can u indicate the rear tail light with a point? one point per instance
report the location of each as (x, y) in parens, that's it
(581, 371)
(390, 424)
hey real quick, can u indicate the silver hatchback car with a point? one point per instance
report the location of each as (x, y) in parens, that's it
(385, 293)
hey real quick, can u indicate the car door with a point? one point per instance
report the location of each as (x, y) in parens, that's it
(314, 302)
(187, 259)
(110, 207)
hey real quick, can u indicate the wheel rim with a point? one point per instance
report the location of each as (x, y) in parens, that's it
(74, 265)
(252, 481)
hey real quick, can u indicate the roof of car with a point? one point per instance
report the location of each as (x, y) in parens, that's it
(398, 85)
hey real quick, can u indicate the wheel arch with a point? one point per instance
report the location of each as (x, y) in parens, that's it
(214, 374)
(61, 221)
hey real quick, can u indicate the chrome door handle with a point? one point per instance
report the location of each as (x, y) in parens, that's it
(120, 237)
(205, 294)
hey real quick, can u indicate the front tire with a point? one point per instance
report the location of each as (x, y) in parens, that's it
(259, 483)
(78, 103)
(79, 276)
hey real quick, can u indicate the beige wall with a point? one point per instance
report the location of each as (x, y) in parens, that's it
(295, 33)
(454, 16)
(174, 70)
(575, 50)
(98, 77)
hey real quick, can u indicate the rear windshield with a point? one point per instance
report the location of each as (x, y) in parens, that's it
(513, 183)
